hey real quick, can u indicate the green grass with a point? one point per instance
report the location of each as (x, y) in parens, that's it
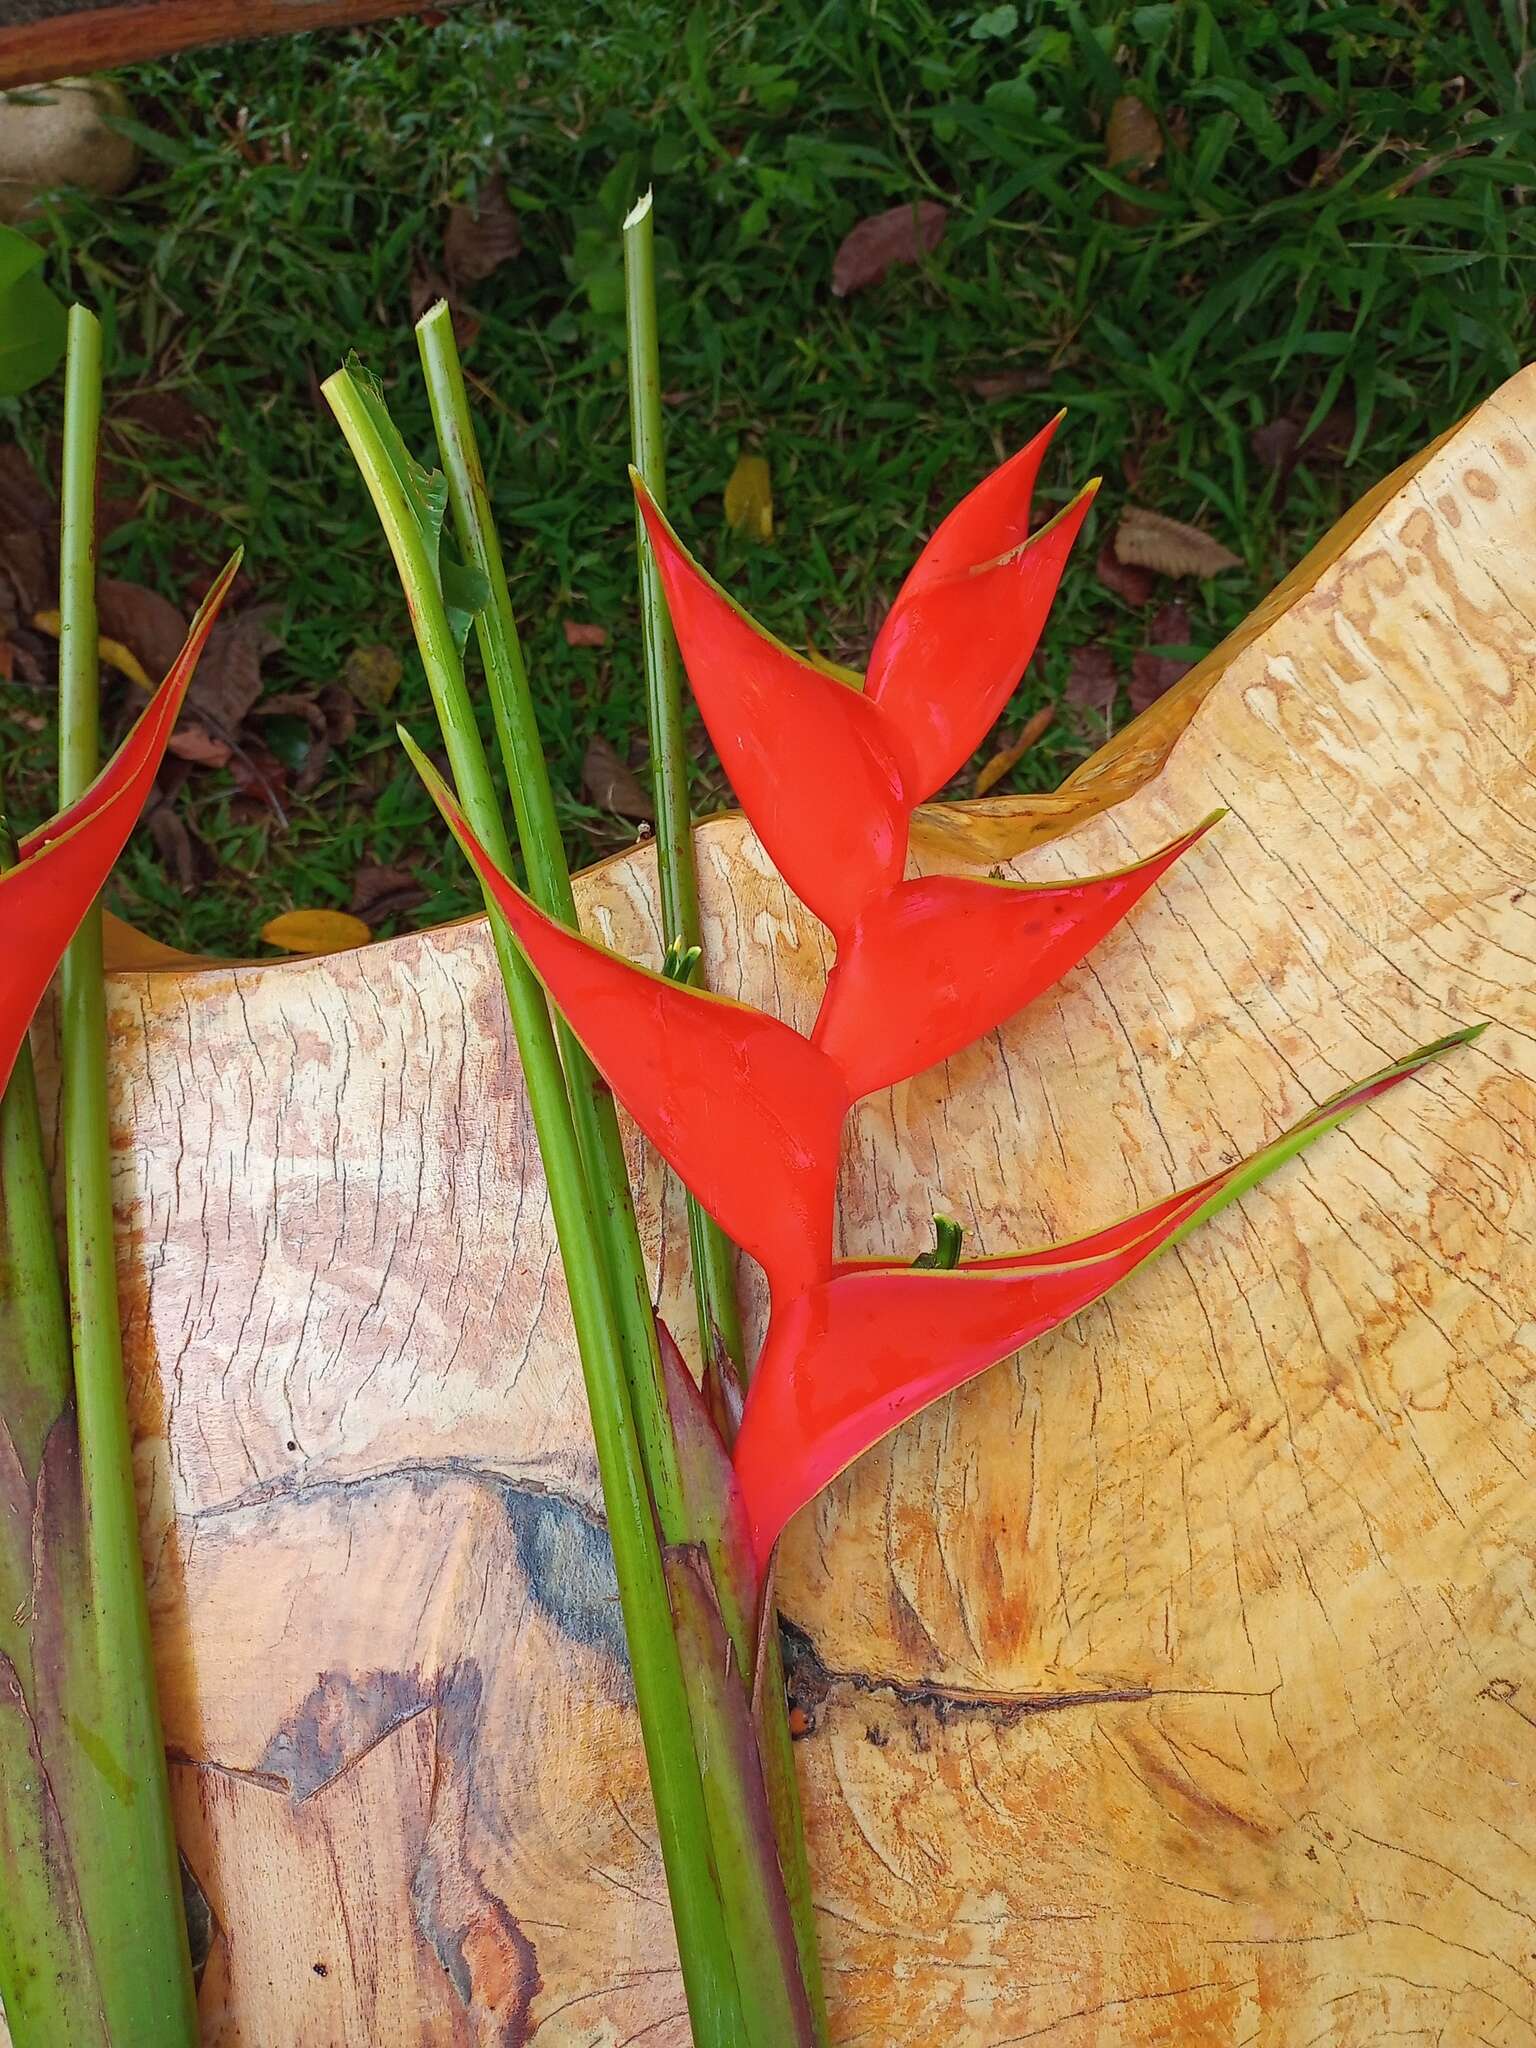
(1341, 224)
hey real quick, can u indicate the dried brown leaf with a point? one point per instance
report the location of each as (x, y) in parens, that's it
(24, 568)
(202, 748)
(25, 500)
(903, 235)
(1152, 675)
(228, 678)
(427, 287)
(1009, 384)
(612, 784)
(580, 634)
(146, 623)
(1134, 586)
(1133, 140)
(173, 843)
(1006, 759)
(1150, 540)
(480, 238)
(1092, 679)
(382, 892)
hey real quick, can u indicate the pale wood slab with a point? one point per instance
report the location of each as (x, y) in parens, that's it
(1174, 1683)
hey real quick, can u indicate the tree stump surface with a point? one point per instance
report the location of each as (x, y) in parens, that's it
(1174, 1682)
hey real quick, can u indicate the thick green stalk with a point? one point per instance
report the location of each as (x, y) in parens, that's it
(714, 1282)
(661, 1696)
(125, 1848)
(773, 2007)
(714, 1279)
(47, 1975)
(549, 878)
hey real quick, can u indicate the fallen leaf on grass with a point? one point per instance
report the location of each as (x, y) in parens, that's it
(578, 634)
(1133, 140)
(27, 577)
(1280, 445)
(903, 235)
(1008, 758)
(25, 501)
(183, 855)
(427, 287)
(315, 931)
(1149, 540)
(1009, 384)
(1133, 585)
(221, 696)
(382, 892)
(480, 238)
(1152, 673)
(112, 652)
(1092, 679)
(612, 784)
(372, 674)
(141, 619)
(193, 743)
(1133, 145)
(749, 498)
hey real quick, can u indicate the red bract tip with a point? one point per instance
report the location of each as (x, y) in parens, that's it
(744, 1109)
(806, 754)
(989, 521)
(935, 964)
(860, 1353)
(64, 865)
(952, 650)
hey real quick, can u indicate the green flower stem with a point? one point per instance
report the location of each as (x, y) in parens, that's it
(661, 1695)
(549, 878)
(47, 1982)
(125, 1862)
(771, 2008)
(714, 1281)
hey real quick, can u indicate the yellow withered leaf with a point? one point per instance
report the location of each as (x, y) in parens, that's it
(749, 498)
(1009, 757)
(315, 931)
(112, 652)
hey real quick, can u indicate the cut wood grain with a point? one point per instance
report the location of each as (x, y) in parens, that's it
(1175, 1682)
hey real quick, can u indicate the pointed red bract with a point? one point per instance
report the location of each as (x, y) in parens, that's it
(806, 754)
(64, 864)
(952, 650)
(847, 1362)
(935, 964)
(744, 1109)
(989, 521)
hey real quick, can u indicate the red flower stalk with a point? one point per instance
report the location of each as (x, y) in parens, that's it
(63, 865)
(748, 1112)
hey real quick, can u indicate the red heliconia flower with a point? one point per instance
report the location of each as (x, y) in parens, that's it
(935, 964)
(743, 1109)
(809, 756)
(63, 865)
(851, 1359)
(748, 1112)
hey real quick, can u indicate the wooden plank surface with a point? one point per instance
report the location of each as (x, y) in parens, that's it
(1175, 1682)
(71, 40)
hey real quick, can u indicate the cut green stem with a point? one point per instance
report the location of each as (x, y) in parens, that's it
(592, 1108)
(661, 1695)
(124, 1848)
(714, 1280)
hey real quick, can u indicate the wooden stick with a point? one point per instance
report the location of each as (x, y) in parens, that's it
(102, 38)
